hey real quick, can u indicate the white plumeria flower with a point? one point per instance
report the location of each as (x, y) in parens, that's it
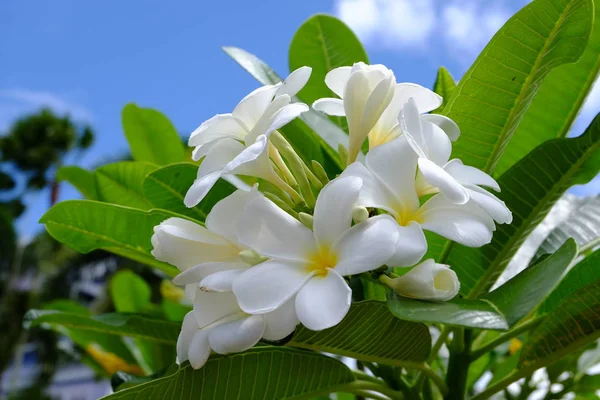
(365, 92)
(237, 143)
(198, 251)
(218, 324)
(459, 183)
(389, 184)
(427, 281)
(310, 265)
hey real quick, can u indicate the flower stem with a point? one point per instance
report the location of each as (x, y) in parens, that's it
(280, 164)
(475, 354)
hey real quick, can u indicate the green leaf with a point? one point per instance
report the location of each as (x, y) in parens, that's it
(557, 103)
(132, 325)
(86, 225)
(376, 336)
(457, 312)
(82, 179)
(582, 224)
(66, 305)
(530, 189)
(517, 297)
(323, 43)
(573, 324)
(151, 136)
(494, 94)
(263, 372)
(582, 274)
(166, 188)
(444, 86)
(8, 244)
(129, 292)
(121, 183)
(588, 385)
(327, 136)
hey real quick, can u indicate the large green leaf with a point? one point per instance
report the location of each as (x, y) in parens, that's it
(458, 312)
(582, 224)
(129, 292)
(151, 136)
(557, 103)
(86, 225)
(517, 297)
(444, 86)
(82, 179)
(494, 94)
(263, 372)
(530, 188)
(166, 188)
(582, 274)
(305, 140)
(132, 325)
(323, 43)
(121, 183)
(573, 324)
(369, 333)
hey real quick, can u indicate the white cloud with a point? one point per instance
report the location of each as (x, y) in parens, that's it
(17, 102)
(389, 23)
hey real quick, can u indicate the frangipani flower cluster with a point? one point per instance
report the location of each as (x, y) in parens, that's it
(266, 261)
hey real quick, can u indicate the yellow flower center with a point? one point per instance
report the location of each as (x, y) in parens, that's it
(404, 216)
(320, 261)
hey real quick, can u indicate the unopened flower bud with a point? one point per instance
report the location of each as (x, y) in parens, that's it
(426, 281)
(360, 214)
(251, 257)
(306, 219)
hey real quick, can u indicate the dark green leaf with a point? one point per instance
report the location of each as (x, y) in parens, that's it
(121, 183)
(444, 86)
(573, 324)
(375, 334)
(82, 179)
(129, 292)
(494, 94)
(151, 136)
(132, 325)
(584, 273)
(530, 189)
(87, 225)
(263, 372)
(520, 295)
(458, 312)
(166, 188)
(557, 103)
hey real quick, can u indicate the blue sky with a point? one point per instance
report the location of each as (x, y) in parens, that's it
(89, 58)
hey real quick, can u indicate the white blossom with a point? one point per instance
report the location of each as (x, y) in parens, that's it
(427, 281)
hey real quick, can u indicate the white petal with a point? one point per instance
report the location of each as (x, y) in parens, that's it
(378, 100)
(333, 210)
(198, 272)
(205, 149)
(185, 244)
(436, 176)
(324, 301)
(355, 97)
(447, 125)
(224, 216)
(411, 246)
(439, 145)
(252, 107)
(272, 232)
(428, 281)
(337, 78)
(221, 125)
(373, 192)
(366, 246)
(490, 204)
(219, 155)
(466, 224)
(199, 350)
(425, 99)
(330, 106)
(267, 286)
(395, 164)
(266, 119)
(211, 307)
(221, 281)
(247, 155)
(412, 126)
(188, 329)
(470, 175)
(200, 188)
(237, 336)
(295, 81)
(285, 115)
(282, 322)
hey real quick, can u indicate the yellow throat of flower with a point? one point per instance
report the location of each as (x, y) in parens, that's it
(320, 261)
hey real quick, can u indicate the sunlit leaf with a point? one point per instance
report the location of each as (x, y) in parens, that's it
(121, 183)
(82, 179)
